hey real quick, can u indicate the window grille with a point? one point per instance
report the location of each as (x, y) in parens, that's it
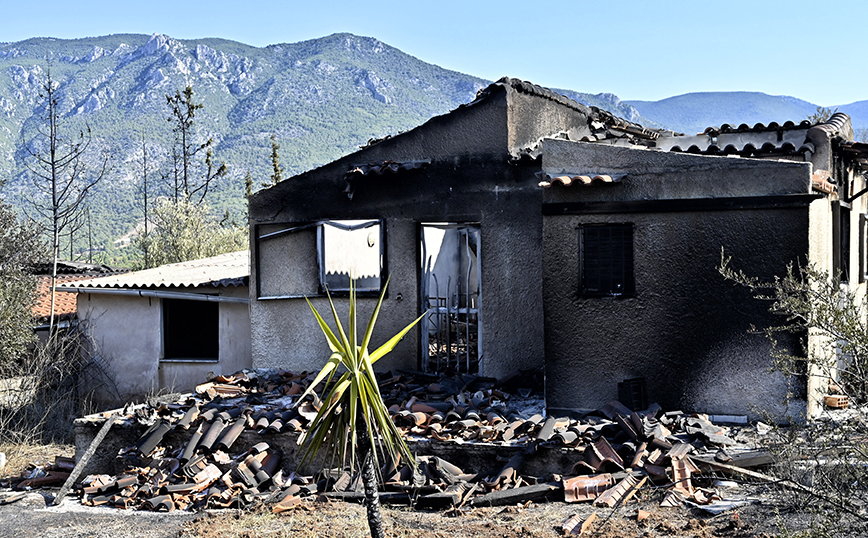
(606, 260)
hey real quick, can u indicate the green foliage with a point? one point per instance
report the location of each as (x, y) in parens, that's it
(811, 301)
(277, 169)
(20, 247)
(822, 115)
(321, 98)
(355, 396)
(183, 231)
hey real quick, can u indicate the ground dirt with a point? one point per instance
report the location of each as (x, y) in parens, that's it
(769, 514)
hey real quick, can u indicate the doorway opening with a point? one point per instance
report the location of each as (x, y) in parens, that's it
(452, 295)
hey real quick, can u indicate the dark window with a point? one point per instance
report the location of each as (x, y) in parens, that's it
(841, 241)
(606, 260)
(190, 330)
(863, 263)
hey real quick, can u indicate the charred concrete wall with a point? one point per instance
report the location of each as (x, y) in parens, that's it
(686, 330)
(475, 189)
(127, 332)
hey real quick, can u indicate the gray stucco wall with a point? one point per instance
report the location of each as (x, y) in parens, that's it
(687, 331)
(127, 334)
(659, 175)
(469, 180)
(503, 199)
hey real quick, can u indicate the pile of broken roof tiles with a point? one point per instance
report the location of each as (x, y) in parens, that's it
(616, 451)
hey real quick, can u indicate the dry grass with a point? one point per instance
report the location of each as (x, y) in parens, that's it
(20, 455)
(341, 520)
(43, 393)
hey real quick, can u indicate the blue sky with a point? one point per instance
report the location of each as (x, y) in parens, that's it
(635, 49)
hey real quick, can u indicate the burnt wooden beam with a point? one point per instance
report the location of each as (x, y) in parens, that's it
(546, 491)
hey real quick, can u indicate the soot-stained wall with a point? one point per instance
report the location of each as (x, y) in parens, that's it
(470, 176)
(686, 330)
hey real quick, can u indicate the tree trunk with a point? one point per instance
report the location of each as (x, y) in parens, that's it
(371, 483)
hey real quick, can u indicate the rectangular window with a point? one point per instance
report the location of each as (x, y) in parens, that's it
(841, 241)
(351, 249)
(863, 236)
(606, 260)
(190, 330)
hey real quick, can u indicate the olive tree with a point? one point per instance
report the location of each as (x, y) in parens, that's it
(183, 230)
(20, 247)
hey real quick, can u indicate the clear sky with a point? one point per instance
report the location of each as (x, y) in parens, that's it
(644, 50)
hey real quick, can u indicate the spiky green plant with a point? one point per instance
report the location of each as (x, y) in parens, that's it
(353, 420)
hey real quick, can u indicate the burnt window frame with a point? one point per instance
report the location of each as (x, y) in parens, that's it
(321, 255)
(320, 284)
(841, 268)
(623, 262)
(185, 321)
(863, 251)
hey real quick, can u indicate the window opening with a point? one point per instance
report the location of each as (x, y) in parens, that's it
(452, 294)
(841, 241)
(863, 237)
(606, 260)
(191, 330)
(351, 249)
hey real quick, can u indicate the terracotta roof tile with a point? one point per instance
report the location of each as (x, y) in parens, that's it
(566, 180)
(64, 303)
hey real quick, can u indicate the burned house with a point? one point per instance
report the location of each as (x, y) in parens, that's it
(538, 233)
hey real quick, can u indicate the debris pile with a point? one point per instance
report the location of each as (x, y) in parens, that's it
(38, 476)
(190, 457)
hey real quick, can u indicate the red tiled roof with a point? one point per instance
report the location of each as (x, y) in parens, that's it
(64, 303)
(566, 180)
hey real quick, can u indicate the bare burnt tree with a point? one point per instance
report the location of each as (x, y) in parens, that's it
(75, 225)
(60, 170)
(144, 191)
(188, 178)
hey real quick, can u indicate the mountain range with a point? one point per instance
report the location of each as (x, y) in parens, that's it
(320, 98)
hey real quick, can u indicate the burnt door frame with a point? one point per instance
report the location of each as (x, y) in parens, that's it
(451, 332)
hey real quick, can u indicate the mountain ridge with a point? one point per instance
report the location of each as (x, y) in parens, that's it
(695, 111)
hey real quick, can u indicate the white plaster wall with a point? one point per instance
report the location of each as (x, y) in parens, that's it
(127, 333)
(820, 256)
(234, 349)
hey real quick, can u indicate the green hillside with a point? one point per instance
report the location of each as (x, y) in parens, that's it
(322, 98)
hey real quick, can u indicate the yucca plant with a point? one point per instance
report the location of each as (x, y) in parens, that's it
(353, 424)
